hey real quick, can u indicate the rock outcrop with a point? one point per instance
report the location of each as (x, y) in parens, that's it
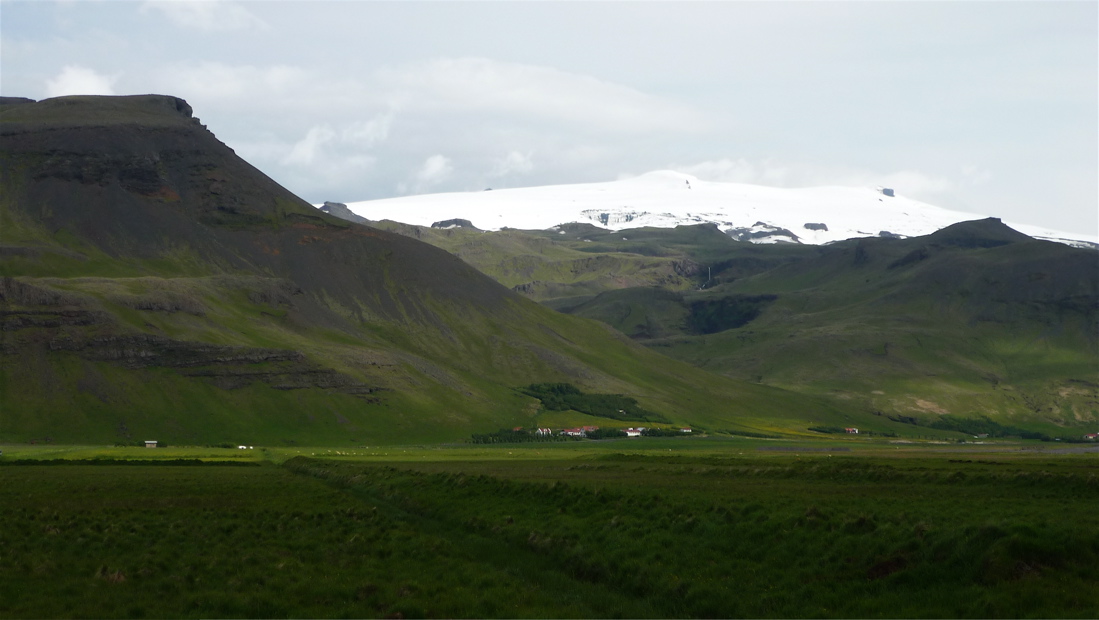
(340, 210)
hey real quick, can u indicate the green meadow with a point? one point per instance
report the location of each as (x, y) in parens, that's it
(655, 527)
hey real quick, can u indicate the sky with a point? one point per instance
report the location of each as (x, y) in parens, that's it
(986, 107)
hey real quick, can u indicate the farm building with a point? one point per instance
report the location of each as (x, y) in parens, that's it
(150, 443)
(851, 431)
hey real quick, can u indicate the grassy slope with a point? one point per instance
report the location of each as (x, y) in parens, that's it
(974, 320)
(958, 333)
(198, 247)
(546, 266)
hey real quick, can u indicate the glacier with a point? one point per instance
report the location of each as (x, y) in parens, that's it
(665, 199)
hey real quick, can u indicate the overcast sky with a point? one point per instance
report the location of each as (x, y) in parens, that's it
(987, 107)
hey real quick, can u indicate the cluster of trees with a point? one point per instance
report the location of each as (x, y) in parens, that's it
(981, 426)
(662, 432)
(526, 436)
(841, 430)
(507, 435)
(606, 433)
(969, 426)
(978, 426)
(566, 396)
(138, 444)
(831, 430)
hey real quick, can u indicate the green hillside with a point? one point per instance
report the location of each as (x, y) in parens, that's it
(976, 320)
(973, 321)
(156, 286)
(551, 265)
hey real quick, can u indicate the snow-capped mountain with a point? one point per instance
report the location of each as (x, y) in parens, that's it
(665, 199)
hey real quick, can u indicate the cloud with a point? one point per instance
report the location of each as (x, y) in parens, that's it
(912, 182)
(215, 81)
(481, 84)
(206, 15)
(346, 144)
(738, 171)
(306, 150)
(495, 115)
(368, 133)
(77, 80)
(974, 175)
(432, 172)
(770, 172)
(512, 163)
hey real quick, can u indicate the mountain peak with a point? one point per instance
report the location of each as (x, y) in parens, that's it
(94, 111)
(986, 233)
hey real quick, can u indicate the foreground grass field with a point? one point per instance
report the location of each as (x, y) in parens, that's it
(639, 528)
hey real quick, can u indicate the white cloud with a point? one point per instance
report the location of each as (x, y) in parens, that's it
(436, 168)
(738, 171)
(512, 163)
(262, 149)
(206, 15)
(346, 144)
(306, 150)
(368, 133)
(772, 173)
(338, 170)
(481, 84)
(911, 182)
(432, 172)
(974, 175)
(587, 155)
(77, 80)
(219, 81)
